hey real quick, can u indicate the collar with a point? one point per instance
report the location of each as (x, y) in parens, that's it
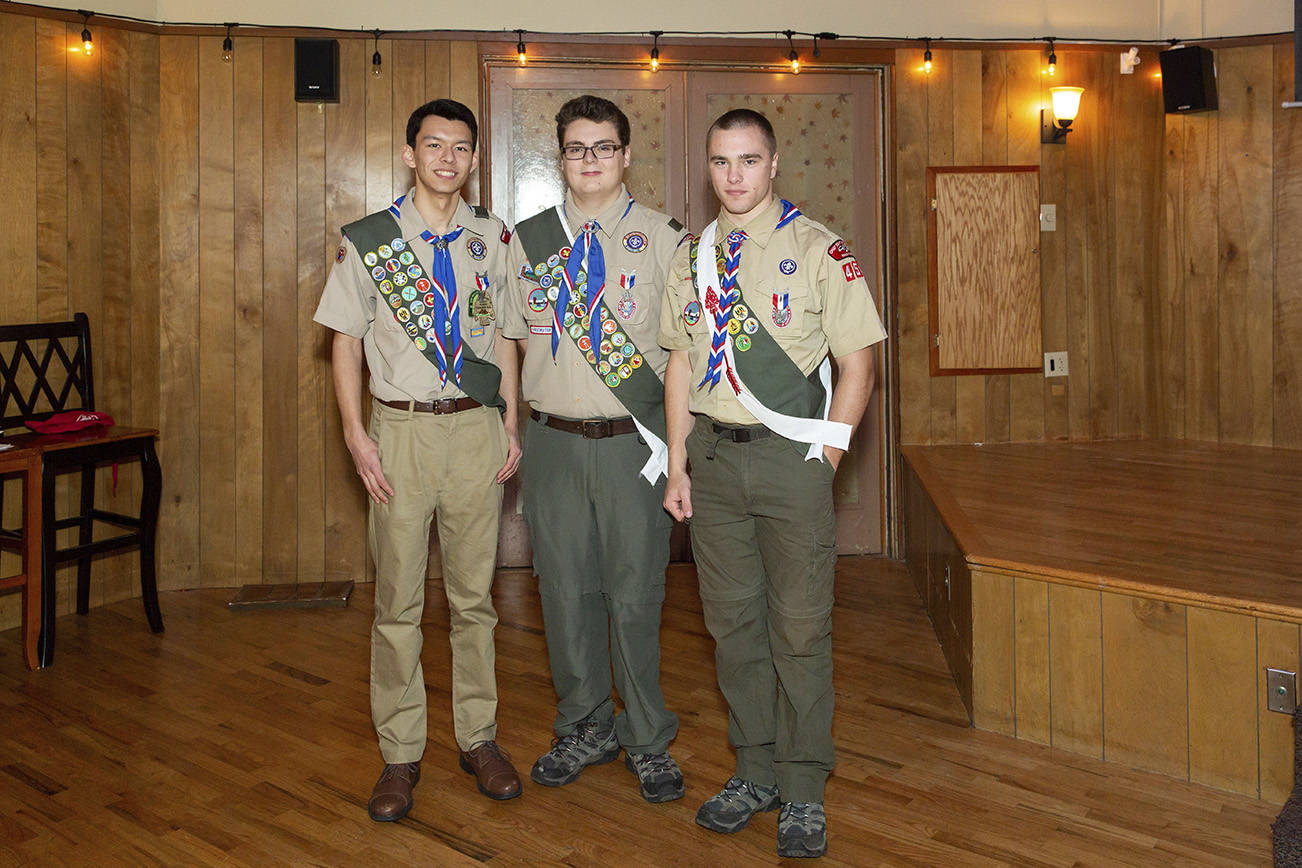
(609, 219)
(412, 224)
(760, 228)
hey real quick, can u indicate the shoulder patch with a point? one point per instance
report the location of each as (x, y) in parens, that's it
(506, 235)
(675, 225)
(839, 251)
(480, 211)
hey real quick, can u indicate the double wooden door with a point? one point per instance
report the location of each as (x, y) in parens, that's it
(828, 127)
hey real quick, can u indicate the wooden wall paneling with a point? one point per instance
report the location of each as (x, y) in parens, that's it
(994, 152)
(280, 314)
(1145, 684)
(1076, 669)
(51, 170)
(1074, 223)
(345, 502)
(994, 683)
(179, 241)
(940, 152)
(1026, 406)
(969, 115)
(1222, 663)
(1053, 286)
(464, 75)
(911, 247)
(1277, 648)
(1172, 251)
(313, 342)
(113, 355)
(1245, 229)
(1094, 127)
(438, 72)
(216, 315)
(1031, 659)
(1201, 188)
(381, 144)
(408, 76)
(249, 336)
(1287, 399)
(145, 167)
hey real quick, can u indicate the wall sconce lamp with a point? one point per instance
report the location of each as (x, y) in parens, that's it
(1055, 123)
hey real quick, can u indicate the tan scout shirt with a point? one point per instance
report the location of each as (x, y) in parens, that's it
(351, 304)
(639, 243)
(828, 305)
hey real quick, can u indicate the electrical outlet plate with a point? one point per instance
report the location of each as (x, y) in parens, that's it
(1055, 364)
(1048, 218)
(1281, 690)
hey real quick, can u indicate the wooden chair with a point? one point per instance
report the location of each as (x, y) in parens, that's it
(45, 368)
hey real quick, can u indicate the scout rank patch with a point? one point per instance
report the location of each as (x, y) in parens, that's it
(616, 357)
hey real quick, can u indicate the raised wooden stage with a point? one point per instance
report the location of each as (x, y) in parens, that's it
(1119, 599)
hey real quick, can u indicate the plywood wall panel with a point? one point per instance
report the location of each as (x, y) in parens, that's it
(1031, 664)
(381, 141)
(1095, 126)
(911, 247)
(1170, 286)
(144, 216)
(408, 76)
(1076, 669)
(994, 676)
(1147, 724)
(1222, 655)
(940, 152)
(313, 341)
(969, 105)
(18, 165)
(1201, 303)
(1287, 284)
(1277, 648)
(1026, 407)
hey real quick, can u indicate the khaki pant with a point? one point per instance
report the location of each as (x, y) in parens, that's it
(764, 538)
(437, 464)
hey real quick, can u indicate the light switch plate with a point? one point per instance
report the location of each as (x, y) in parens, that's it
(1048, 218)
(1281, 690)
(1055, 364)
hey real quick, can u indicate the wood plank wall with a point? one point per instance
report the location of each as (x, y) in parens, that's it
(1099, 268)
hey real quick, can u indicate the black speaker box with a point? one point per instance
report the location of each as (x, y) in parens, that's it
(316, 70)
(1188, 79)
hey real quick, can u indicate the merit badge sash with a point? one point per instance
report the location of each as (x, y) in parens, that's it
(407, 289)
(783, 399)
(616, 359)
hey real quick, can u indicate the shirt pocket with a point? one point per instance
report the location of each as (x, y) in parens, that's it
(789, 310)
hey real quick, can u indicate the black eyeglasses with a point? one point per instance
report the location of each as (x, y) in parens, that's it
(601, 150)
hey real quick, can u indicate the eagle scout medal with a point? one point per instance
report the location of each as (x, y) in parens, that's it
(781, 309)
(626, 306)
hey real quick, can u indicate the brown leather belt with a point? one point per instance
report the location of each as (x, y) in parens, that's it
(740, 434)
(593, 429)
(443, 405)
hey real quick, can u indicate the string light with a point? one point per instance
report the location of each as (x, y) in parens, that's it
(655, 50)
(228, 47)
(926, 57)
(86, 44)
(792, 56)
(1053, 59)
(519, 47)
(377, 61)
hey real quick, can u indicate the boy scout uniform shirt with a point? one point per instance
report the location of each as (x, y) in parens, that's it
(351, 304)
(639, 243)
(827, 304)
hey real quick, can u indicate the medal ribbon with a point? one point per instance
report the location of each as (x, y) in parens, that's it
(447, 312)
(721, 309)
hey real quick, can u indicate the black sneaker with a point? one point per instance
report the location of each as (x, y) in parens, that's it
(591, 743)
(730, 809)
(802, 830)
(660, 778)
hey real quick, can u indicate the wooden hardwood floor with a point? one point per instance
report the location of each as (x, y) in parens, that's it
(245, 739)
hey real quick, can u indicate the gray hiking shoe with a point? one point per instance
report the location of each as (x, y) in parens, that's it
(591, 743)
(802, 830)
(730, 809)
(659, 776)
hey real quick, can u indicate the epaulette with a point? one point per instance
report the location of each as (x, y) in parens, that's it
(675, 225)
(480, 211)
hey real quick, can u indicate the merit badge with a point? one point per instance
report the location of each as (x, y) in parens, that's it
(612, 379)
(627, 351)
(743, 342)
(421, 343)
(734, 326)
(400, 278)
(476, 249)
(625, 371)
(851, 270)
(537, 301)
(428, 299)
(750, 325)
(392, 265)
(635, 361)
(576, 331)
(526, 272)
(412, 330)
(787, 266)
(781, 309)
(385, 251)
(406, 257)
(615, 359)
(553, 293)
(605, 346)
(403, 314)
(565, 253)
(418, 307)
(692, 313)
(370, 259)
(397, 244)
(740, 311)
(386, 286)
(539, 270)
(340, 254)
(426, 321)
(545, 281)
(581, 311)
(585, 343)
(635, 242)
(408, 293)
(378, 272)
(839, 251)
(394, 301)
(618, 339)
(609, 326)
(423, 284)
(603, 367)
(414, 271)
(553, 261)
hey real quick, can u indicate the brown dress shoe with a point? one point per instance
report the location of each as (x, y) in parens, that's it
(492, 769)
(391, 798)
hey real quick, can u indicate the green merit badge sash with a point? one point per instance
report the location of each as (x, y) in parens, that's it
(616, 360)
(403, 283)
(768, 372)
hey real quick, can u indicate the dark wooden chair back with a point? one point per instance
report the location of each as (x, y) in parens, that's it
(45, 369)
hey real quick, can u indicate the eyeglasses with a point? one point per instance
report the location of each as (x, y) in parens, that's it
(601, 150)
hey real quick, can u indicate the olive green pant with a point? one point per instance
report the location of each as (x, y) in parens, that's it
(764, 537)
(441, 464)
(600, 538)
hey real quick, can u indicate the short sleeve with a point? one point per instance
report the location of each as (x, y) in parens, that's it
(516, 289)
(679, 292)
(348, 301)
(850, 318)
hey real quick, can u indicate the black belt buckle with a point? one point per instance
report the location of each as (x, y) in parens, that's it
(445, 405)
(596, 429)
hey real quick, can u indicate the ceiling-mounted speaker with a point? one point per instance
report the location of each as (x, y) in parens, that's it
(316, 70)
(1188, 79)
